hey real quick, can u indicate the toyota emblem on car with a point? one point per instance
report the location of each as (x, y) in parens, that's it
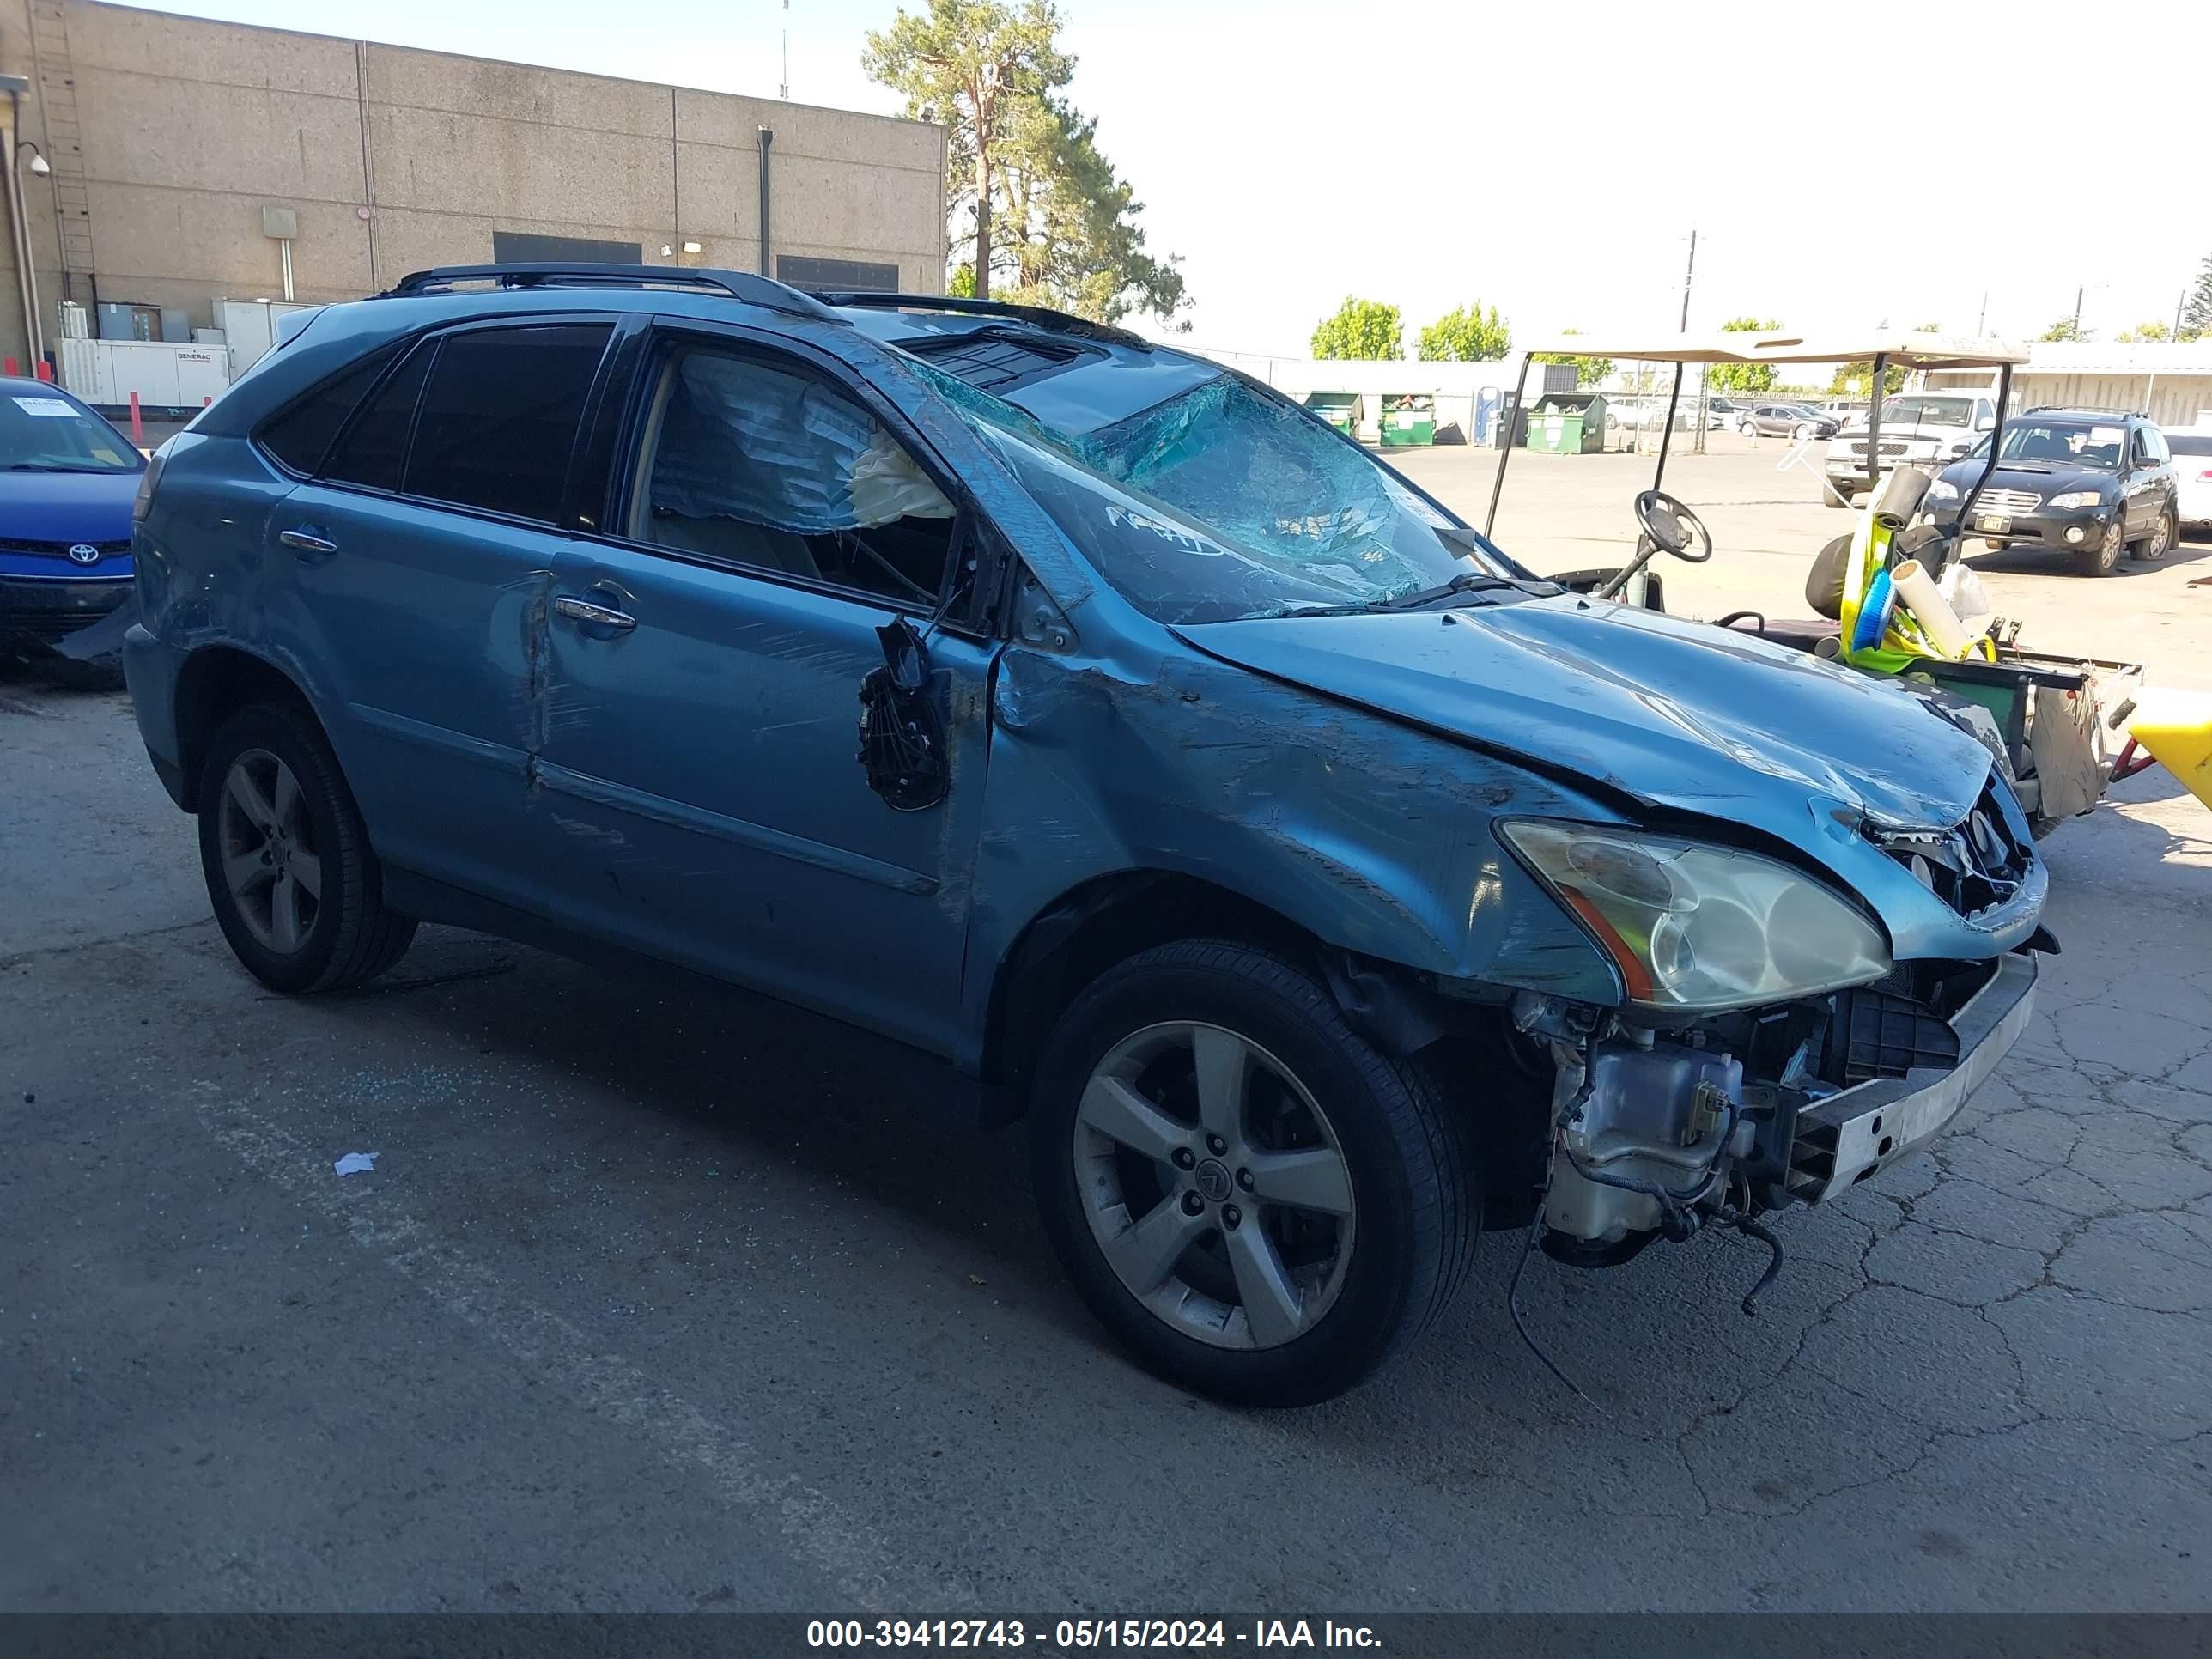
(84, 553)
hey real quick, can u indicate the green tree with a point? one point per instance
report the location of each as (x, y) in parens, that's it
(1069, 221)
(1743, 377)
(2065, 330)
(2148, 333)
(1589, 371)
(1466, 334)
(2197, 315)
(961, 284)
(1365, 329)
(971, 66)
(1031, 198)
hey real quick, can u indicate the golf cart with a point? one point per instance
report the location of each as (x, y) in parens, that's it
(2045, 717)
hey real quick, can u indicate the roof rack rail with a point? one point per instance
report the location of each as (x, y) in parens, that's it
(2082, 409)
(1059, 322)
(738, 284)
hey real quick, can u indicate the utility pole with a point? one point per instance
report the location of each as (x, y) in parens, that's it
(2077, 314)
(784, 91)
(1690, 275)
(1982, 322)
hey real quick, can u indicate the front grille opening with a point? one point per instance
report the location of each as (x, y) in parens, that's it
(1977, 864)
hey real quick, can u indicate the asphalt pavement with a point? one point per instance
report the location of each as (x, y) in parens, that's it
(658, 1297)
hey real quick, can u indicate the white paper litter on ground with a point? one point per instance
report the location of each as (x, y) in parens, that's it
(355, 1163)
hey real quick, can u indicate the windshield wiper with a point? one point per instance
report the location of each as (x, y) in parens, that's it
(1467, 581)
(54, 466)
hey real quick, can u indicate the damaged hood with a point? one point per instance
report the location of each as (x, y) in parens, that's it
(1673, 713)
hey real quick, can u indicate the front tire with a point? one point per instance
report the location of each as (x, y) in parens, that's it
(1256, 1202)
(295, 889)
(2104, 558)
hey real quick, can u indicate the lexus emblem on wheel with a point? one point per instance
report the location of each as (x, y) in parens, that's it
(85, 553)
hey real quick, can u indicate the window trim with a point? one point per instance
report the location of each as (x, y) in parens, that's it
(670, 335)
(557, 524)
(402, 346)
(433, 340)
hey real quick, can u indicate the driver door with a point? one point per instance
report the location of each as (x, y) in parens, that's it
(713, 657)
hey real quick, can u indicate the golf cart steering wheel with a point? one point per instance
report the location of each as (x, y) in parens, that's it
(1672, 527)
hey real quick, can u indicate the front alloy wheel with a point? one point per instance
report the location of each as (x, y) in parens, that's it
(1215, 1186)
(1259, 1204)
(2104, 556)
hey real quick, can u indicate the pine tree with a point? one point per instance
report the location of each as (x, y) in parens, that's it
(2197, 317)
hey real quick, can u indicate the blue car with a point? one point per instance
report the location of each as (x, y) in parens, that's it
(1318, 885)
(67, 480)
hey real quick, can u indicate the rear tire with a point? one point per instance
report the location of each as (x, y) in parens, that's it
(2104, 557)
(1365, 1270)
(2163, 535)
(294, 887)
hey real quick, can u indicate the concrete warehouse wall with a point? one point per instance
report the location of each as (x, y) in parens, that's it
(187, 128)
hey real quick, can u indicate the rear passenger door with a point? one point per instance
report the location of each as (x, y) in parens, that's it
(419, 560)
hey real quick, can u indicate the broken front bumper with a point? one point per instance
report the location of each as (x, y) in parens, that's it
(1845, 1138)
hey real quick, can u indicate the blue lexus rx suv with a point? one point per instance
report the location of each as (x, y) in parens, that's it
(1320, 885)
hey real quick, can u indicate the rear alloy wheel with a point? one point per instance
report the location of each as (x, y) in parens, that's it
(1256, 1202)
(2104, 557)
(1748, 428)
(2163, 535)
(294, 887)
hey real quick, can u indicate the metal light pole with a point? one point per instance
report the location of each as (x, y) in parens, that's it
(34, 334)
(19, 223)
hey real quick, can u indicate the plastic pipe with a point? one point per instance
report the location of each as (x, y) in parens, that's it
(1916, 591)
(1900, 497)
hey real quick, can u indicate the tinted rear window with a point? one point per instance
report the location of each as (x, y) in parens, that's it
(373, 446)
(299, 436)
(2190, 443)
(499, 418)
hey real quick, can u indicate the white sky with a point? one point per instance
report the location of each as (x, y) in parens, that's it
(1550, 157)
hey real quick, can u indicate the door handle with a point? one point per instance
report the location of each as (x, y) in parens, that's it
(597, 615)
(305, 540)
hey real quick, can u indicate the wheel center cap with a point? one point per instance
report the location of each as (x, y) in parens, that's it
(1213, 1179)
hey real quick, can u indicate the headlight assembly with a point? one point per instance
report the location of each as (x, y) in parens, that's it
(1696, 927)
(2075, 498)
(1940, 491)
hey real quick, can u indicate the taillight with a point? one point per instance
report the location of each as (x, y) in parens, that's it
(2205, 477)
(149, 480)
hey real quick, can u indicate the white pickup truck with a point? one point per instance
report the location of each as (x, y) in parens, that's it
(1932, 427)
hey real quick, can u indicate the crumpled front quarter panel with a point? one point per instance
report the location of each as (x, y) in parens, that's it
(1368, 834)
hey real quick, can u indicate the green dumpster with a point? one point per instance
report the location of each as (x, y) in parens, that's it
(1339, 409)
(1567, 423)
(1408, 418)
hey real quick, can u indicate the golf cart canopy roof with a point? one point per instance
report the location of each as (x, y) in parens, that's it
(1903, 350)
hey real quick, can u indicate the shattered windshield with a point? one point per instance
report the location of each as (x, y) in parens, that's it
(1222, 502)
